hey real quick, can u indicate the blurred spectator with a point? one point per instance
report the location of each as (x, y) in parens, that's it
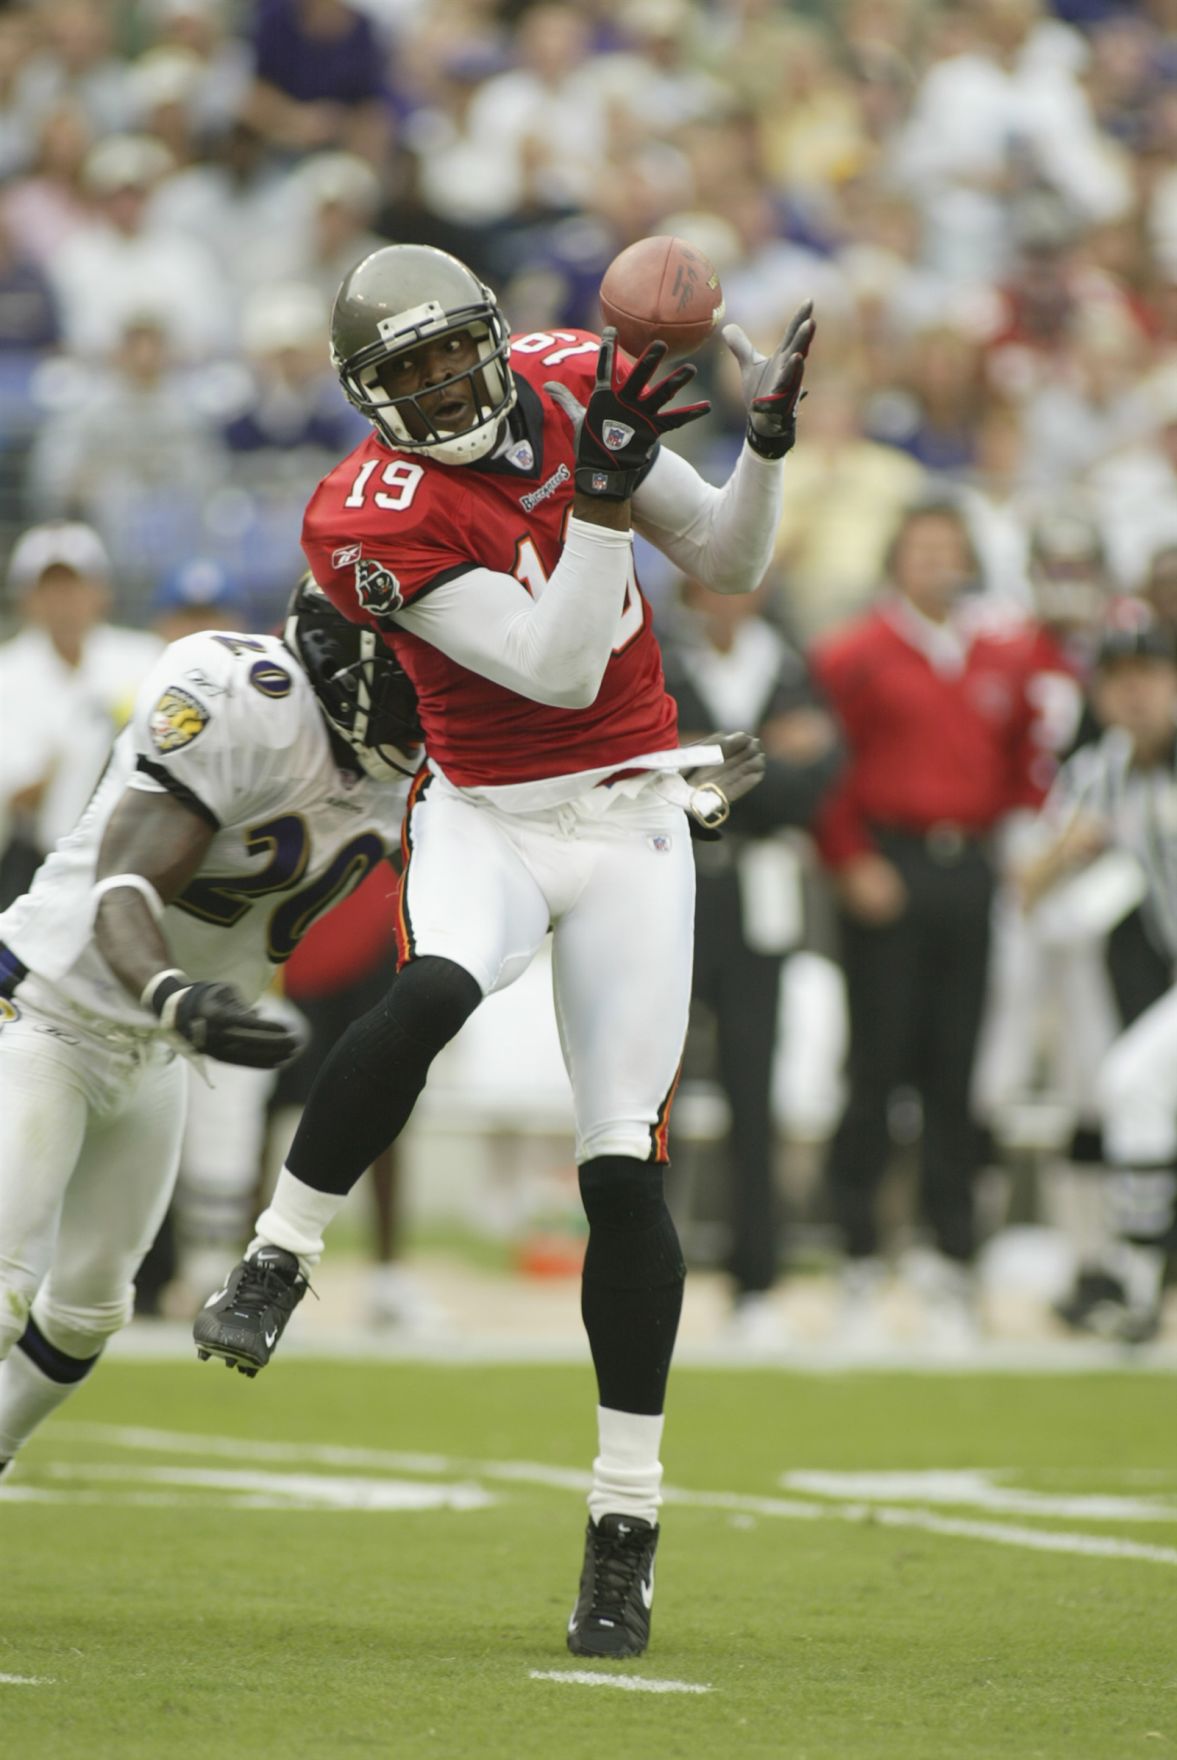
(28, 309)
(938, 727)
(163, 86)
(67, 684)
(1159, 588)
(76, 59)
(236, 203)
(934, 419)
(284, 428)
(1135, 488)
(200, 28)
(122, 263)
(335, 198)
(999, 113)
(543, 118)
(16, 38)
(842, 496)
(200, 594)
(725, 665)
(294, 405)
(319, 78)
(131, 451)
(49, 204)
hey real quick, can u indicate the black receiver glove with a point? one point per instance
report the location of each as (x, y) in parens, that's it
(625, 419)
(215, 1019)
(772, 384)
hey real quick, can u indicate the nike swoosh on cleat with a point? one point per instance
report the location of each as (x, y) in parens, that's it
(216, 1296)
(270, 1338)
(647, 1589)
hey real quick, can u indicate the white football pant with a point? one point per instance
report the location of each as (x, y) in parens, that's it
(613, 877)
(90, 1126)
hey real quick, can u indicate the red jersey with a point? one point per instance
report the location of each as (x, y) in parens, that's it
(926, 747)
(385, 528)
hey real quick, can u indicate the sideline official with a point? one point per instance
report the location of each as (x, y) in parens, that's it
(938, 729)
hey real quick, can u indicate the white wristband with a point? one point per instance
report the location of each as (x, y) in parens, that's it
(148, 992)
(134, 882)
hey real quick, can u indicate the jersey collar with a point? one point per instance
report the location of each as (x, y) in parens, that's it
(524, 435)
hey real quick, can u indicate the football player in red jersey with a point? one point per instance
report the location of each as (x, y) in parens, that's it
(483, 531)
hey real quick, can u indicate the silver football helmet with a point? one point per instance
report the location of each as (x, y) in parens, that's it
(396, 299)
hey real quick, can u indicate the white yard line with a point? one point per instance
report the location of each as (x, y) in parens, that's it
(563, 1478)
(26, 1680)
(976, 1488)
(629, 1683)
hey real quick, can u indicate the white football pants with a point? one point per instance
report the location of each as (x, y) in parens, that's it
(1043, 998)
(90, 1128)
(613, 877)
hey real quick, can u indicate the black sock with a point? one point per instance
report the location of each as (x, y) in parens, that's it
(631, 1294)
(362, 1097)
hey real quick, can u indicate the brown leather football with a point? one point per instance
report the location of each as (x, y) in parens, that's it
(662, 289)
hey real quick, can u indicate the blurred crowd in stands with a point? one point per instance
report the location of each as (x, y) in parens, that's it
(980, 196)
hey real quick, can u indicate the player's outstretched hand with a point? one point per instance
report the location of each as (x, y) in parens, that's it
(772, 384)
(617, 436)
(215, 1019)
(716, 786)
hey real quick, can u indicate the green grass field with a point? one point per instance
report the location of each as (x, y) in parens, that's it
(194, 1565)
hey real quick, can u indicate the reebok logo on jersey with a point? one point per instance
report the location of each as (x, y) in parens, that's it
(535, 496)
(176, 720)
(346, 556)
(616, 435)
(377, 589)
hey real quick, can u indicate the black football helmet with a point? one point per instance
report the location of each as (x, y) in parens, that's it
(363, 691)
(398, 298)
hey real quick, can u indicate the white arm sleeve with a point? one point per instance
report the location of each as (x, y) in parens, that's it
(553, 649)
(721, 537)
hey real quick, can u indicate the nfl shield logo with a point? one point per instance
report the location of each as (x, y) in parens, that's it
(600, 482)
(616, 435)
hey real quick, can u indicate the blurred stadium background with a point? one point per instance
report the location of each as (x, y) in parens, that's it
(982, 200)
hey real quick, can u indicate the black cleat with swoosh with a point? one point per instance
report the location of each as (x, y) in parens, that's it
(612, 1612)
(243, 1322)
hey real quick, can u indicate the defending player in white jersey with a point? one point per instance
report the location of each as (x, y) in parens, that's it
(483, 529)
(257, 783)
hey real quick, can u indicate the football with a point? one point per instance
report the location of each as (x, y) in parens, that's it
(662, 289)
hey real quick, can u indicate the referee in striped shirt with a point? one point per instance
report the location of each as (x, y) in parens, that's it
(1115, 804)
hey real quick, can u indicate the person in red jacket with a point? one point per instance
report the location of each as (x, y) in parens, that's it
(939, 730)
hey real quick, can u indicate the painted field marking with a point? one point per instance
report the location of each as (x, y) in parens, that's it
(976, 1488)
(296, 1490)
(26, 1680)
(562, 1478)
(629, 1683)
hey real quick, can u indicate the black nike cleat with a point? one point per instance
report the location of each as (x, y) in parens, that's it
(244, 1321)
(612, 1612)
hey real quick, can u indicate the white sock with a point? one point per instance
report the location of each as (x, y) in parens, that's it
(27, 1396)
(627, 1473)
(296, 1218)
